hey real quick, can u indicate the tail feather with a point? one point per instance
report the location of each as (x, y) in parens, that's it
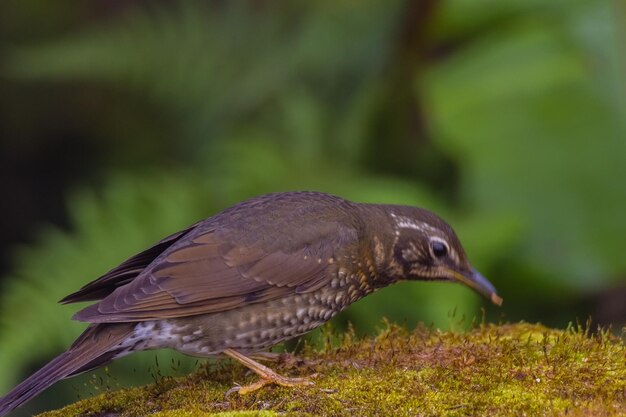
(97, 346)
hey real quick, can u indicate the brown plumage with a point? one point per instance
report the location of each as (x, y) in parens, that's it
(266, 270)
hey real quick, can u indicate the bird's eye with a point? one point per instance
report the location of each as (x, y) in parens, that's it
(439, 249)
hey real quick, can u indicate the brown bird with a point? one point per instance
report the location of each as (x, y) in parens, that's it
(263, 271)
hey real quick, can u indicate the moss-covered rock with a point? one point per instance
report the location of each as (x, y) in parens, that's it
(518, 369)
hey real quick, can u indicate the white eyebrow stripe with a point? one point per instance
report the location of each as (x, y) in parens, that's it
(403, 222)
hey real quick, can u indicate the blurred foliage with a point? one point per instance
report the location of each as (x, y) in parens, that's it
(506, 117)
(567, 144)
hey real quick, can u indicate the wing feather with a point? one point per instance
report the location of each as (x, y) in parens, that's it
(225, 263)
(124, 273)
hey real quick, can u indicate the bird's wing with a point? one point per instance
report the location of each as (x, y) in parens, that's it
(124, 273)
(218, 269)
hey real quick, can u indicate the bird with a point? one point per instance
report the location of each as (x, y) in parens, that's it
(263, 271)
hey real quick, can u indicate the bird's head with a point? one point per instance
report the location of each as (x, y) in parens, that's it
(426, 248)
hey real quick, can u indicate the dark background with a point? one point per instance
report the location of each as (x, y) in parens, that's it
(123, 121)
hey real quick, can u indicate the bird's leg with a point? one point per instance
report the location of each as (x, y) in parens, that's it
(267, 375)
(268, 356)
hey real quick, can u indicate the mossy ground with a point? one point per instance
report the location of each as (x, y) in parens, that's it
(518, 369)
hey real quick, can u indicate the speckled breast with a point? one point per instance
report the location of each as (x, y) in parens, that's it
(254, 327)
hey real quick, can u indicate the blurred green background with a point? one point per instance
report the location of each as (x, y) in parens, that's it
(123, 121)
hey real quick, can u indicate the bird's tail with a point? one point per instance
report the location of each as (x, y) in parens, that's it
(97, 346)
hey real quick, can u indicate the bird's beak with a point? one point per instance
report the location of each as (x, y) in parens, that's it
(478, 283)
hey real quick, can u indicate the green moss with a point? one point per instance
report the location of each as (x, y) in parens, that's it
(519, 369)
(198, 413)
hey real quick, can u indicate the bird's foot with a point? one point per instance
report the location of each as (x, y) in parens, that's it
(277, 379)
(268, 376)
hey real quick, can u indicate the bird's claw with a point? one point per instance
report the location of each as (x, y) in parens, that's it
(281, 380)
(231, 391)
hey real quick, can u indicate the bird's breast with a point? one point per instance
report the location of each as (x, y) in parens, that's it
(253, 327)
